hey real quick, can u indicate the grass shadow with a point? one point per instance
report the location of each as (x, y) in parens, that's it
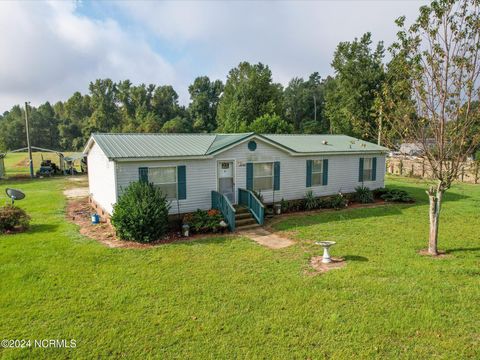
(205, 239)
(42, 228)
(454, 250)
(329, 216)
(355, 258)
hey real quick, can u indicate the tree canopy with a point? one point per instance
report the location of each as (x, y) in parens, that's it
(359, 99)
(249, 93)
(359, 74)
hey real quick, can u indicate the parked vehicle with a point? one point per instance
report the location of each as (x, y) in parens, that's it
(48, 168)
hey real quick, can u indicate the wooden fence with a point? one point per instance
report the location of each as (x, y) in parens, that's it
(417, 167)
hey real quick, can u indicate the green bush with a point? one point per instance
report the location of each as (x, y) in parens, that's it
(363, 195)
(12, 217)
(292, 205)
(311, 201)
(141, 213)
(259, 196)
(377, 193)
(339, 201)
(396, 195)
(202, 221)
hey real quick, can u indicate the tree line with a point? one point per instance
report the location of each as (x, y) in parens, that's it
(353, 101)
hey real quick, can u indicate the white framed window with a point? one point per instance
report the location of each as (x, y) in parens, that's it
(263, 176)
(367, 169)
(165, 178)
(317, 172)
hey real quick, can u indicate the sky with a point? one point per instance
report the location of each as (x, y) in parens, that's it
(50, 49)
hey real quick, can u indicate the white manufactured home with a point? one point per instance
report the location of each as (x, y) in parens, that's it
(201, 171)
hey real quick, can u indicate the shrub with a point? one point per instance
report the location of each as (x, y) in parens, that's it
(12, 217)
(363, 195)
(377, 193)
(259, 196)
(396, 195)
(202, 221)
(339, 201)
(292, 205)
(141, 213)
(310, 201)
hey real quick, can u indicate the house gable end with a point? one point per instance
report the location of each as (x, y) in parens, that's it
(248, 138)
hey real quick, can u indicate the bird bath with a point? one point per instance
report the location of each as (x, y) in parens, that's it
(326, 259)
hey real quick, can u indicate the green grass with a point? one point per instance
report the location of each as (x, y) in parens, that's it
(231, 298)
(16, 164)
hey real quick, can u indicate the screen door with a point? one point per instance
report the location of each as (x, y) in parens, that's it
(225, 179)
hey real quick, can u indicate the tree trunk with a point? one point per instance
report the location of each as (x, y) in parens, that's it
(435, 195)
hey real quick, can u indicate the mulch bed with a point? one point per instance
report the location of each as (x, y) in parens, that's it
(79, 212)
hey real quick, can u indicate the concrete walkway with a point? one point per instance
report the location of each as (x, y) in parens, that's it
(266, 238)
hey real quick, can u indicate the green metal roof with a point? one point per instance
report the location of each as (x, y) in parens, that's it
(223, 140)
(117, 146)
(162, 145)
(323, 143)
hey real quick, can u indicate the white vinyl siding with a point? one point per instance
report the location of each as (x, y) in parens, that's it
(101, 179)
(367, 169)
(342, 171)
(317, 172)
(200, 174)
(165, 178)
(202, 177)
(263, 176)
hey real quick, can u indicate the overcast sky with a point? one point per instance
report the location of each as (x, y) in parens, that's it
(51, 49)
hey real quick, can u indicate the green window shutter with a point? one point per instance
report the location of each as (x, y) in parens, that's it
(276, 175)
(360, 171)
(374, 169)
(181, 182)
(325, 172)
(143, 174)
(249, 176)
(309, 173)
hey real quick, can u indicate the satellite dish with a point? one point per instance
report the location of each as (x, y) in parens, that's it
(14, 194)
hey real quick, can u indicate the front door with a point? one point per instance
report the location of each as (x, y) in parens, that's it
(226, 176)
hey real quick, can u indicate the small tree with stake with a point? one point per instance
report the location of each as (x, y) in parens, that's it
(439, 58)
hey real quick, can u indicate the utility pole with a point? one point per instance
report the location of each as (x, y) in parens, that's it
(380, 126)
(315, 107)
(28, 141)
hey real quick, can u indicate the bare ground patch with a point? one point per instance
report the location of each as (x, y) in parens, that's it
(319, 267)
(79, 212)
(441, 254)
(268, 239)
(75, 193)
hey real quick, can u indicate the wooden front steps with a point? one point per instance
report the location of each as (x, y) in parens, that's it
(244, 220)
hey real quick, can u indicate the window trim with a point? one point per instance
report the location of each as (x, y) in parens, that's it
(176, 178)
(316, 172)
(370, 178)
(272, 176)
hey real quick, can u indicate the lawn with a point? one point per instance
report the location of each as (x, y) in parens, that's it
(17, 163)
(231, 298)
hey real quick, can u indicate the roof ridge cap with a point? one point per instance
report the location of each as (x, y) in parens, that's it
(211, 144)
